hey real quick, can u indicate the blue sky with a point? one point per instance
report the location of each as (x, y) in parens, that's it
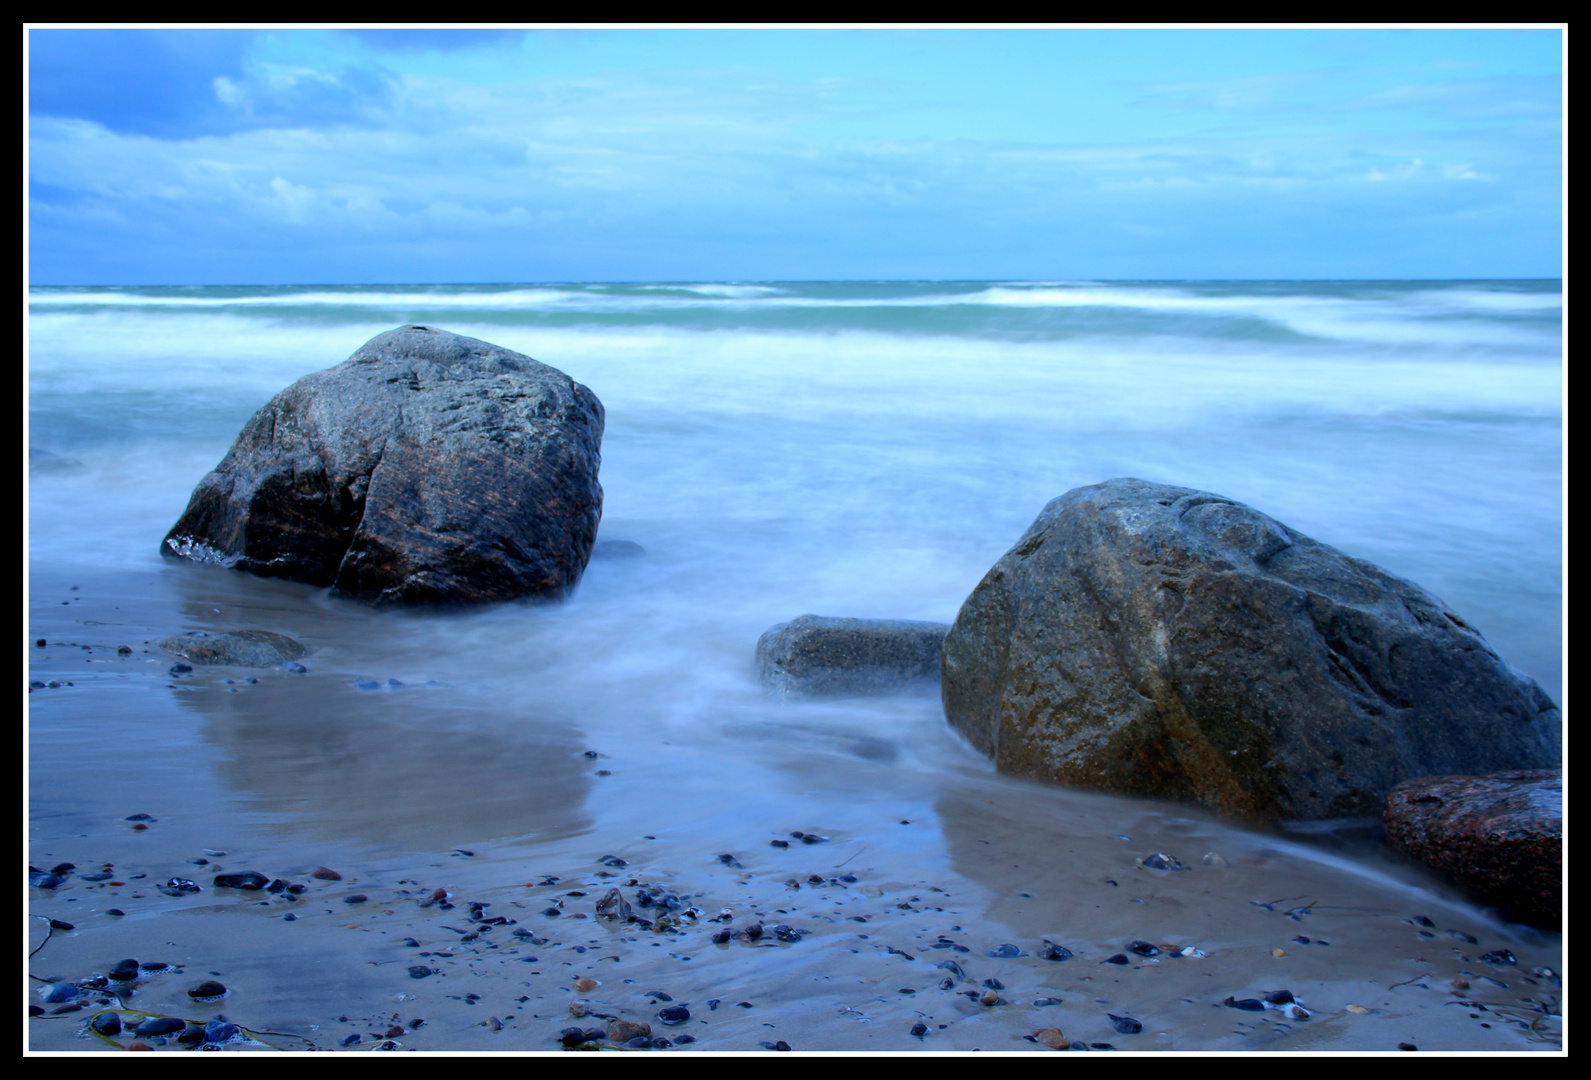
(280, 156)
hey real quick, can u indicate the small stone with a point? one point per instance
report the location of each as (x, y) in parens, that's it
(1359, 1010)
(1052, 1038)
(220, 1031)
(919, 1029)
(419, 971)
(356, 898)
(622, 1031)
(1162, 861)
(208, 991)
(674, 1014)
(578, 1009)
(585, 986)
(1143, 948)
(249, 879)
(1004, 952)
(159, 1025)
(1126, 1024)
(325, 873)
(1118, 958)
(106, 1023)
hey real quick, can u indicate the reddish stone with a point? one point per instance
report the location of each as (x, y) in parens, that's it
(1500, 836)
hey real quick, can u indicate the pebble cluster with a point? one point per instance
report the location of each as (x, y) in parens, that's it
(552, 935)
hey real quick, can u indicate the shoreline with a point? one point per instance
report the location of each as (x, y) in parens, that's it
(949, 865)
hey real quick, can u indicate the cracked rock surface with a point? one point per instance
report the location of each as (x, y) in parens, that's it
(428, 468)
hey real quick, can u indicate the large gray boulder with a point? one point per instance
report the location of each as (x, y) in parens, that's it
(820, 656)
(1165, 642)
(428, 468)
(1500, 836)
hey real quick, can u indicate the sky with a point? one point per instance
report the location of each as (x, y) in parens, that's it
(388, 156)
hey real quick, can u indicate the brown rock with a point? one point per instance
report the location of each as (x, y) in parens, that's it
(1053, 1038)
(622, 1031)
(326, 873)
(1500, 836)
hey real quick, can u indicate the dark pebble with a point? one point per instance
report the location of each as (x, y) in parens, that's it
(613, 861)
(115, 911)
(220, 1031)
(1004, 952)
(919, 1029)
(681, 1040)
(248, 879)
(1119, 958)
(356, 898)
(1280, 997)
(779, 843)
(640, 1042)
(1162, 862)
(674, 1014)
(1421, 920)
(1102, 1046)
(1052, 951)
(1125, 1024)
(181, 669)
(730, 860)
(349, 1040)
(46, 881)
(1246, 1004)
(61, 992)
(103, 876)
(59, 925)
(1143, 948)
(295, 667)
(994, 984)
(1462, 937)
(183, 885)
(107, 1023)
(63, 868)
(1501, 956)
(159, 1025)
(208, 991)
(1407, 1046)
(659, 995)
(419, 972)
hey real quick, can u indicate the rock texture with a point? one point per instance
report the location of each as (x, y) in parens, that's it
(817, 656)
(240, 648)
(428, 468)
(1499, 836)
(1165, 642)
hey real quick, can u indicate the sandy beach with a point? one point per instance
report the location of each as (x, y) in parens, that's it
(911, 880)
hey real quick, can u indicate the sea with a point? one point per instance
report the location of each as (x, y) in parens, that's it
(862, 449)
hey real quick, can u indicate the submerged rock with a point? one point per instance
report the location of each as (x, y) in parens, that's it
(238, 648)
(1499, 836)
(427, 468)
(1159, 641)
(819, 656)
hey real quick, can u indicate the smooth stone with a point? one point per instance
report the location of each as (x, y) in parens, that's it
(822, 656)
(248, 879)
(237, 648)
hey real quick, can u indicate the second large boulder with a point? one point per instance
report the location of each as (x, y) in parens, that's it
(1165, 642)
(428, 468)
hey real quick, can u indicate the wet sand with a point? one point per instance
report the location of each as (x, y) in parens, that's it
(406, 793)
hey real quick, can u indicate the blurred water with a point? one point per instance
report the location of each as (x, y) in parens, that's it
(870, 449)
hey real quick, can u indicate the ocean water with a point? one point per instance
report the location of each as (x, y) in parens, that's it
(862, 449)
(871, 448)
